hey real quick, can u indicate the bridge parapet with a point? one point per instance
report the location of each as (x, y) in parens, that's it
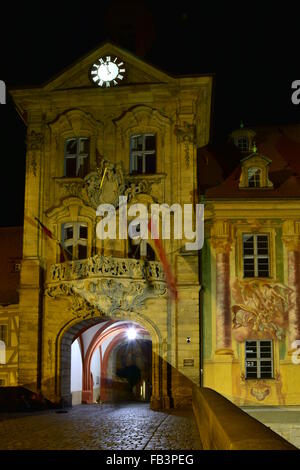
(224, 426)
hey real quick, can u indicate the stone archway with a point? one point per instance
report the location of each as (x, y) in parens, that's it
(159, 398)
(109, 335)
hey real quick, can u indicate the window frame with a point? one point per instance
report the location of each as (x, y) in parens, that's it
(259, 360)
(256, 256)
(77, 156)
(135, 153)
(259, 181)
(242, 138)
(76, 239)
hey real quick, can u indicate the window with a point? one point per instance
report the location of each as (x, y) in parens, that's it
(139, 248)
(243, 143)
(256, 255)
(259, 359)
(142, 154)
(77, 157)
(3, 333)
(74, 238)
(254, 177)
(2, 383)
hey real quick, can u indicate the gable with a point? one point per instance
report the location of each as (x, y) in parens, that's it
(137, 71)
(258, 163)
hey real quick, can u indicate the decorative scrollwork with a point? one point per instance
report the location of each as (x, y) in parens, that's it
(106, 297)
(107, 266)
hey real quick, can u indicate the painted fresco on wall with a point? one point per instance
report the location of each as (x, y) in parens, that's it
(260, 310)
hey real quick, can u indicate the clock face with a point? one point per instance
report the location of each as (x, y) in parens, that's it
(107, 71)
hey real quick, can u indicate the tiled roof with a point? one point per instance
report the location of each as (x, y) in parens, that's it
(279, 145)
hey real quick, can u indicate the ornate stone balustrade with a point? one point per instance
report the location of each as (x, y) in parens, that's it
(106, 266)
(106, 286)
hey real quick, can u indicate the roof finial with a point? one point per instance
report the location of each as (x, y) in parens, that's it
(254, 148)
(241, 125)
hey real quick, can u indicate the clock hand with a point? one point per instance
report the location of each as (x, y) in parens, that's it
(108, 71)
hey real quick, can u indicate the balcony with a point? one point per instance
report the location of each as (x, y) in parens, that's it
(107, 267)
(106, 286)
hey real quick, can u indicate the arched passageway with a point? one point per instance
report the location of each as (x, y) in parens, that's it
(110, 361)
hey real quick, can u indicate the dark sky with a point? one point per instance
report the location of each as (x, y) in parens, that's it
(254, 52)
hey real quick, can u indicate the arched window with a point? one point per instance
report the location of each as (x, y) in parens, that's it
(254, 177)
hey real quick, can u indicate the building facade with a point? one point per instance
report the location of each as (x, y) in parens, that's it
(234, 324)
(250, 266)
(92, 137)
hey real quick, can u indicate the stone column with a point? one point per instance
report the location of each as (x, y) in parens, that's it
(221, 244)
(155, 396)
(164, 378)
(31, 300)
(291, 239)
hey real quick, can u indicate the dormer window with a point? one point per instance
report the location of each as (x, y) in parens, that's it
(255, 172)
(254, 177)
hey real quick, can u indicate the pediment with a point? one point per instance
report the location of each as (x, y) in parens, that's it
(255, 159)
(137, 71)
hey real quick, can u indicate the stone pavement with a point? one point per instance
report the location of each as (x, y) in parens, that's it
(128, 426)
(284, 420)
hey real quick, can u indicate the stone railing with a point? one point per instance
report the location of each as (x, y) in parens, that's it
(224, 426)
(106, 266)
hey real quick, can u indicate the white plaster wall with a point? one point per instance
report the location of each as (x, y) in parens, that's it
(95, 369)
(76, 373)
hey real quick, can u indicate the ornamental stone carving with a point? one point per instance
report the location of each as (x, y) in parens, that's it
(104, 285)
(107, 266)
(105, 185)
(186, 134)
(106, 297)
(112, 295)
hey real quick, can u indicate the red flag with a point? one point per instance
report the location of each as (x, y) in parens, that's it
(63, 256)
(170, 279)
(45, 229)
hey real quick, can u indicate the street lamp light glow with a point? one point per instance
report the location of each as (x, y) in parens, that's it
(131, 334)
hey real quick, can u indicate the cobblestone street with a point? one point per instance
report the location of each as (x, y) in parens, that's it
(101, 427)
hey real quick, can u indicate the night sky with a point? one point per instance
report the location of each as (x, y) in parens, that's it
(253, 51)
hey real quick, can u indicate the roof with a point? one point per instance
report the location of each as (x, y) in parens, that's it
(281, 146)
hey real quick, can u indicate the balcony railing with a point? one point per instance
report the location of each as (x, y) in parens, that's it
(106, 266)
